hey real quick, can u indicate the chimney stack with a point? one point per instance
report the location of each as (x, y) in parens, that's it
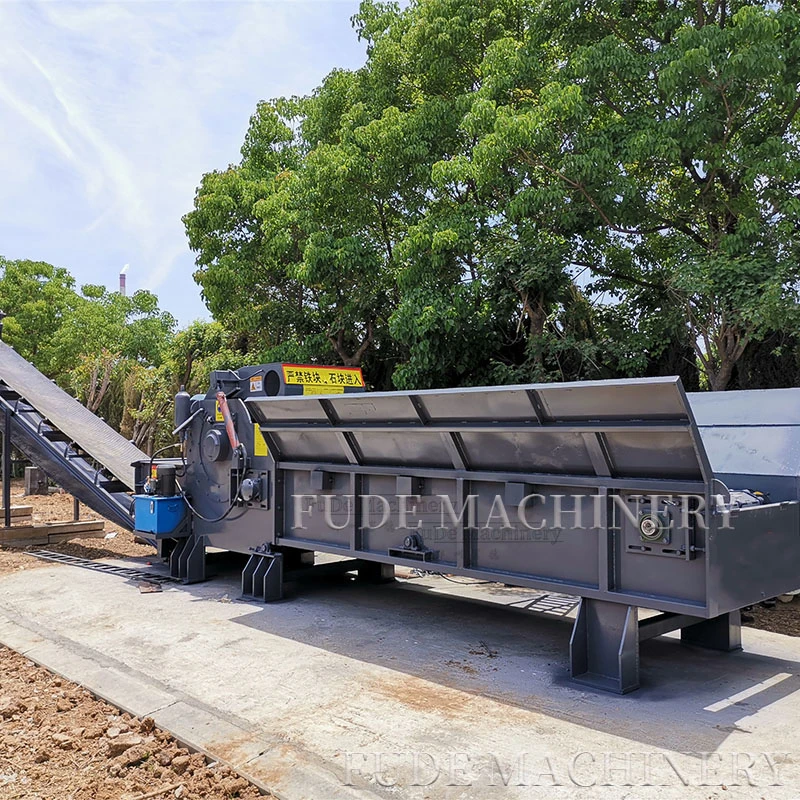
(122, 288)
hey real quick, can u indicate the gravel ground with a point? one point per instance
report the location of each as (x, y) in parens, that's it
(58, 742)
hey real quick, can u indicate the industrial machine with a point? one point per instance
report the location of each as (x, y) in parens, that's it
(629, 494)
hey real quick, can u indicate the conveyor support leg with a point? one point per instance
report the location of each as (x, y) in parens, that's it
(604, 648)
(7, 468)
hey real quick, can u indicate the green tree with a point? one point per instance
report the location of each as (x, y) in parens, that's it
(117, 354)
(36, 297)
(199, 349)
(661, 140)
(332, 221)
(563, 189)
(102, 337)
(186, 360)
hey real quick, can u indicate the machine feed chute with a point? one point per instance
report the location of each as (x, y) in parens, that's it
(612, 431)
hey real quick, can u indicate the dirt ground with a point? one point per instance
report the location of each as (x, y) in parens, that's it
(58, 508)
(58, 742)
(782, 618)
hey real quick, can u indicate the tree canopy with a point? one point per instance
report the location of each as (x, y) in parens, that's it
(510, 191)
(506, 191)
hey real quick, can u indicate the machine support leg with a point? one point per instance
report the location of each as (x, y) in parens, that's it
(718, 633)
(174, 562)
(262, 577)
(7, 468)
(375, 572)
(604, 648)
(271, 578)
(194, 566)
(187, 561)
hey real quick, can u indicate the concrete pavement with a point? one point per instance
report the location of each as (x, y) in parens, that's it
(418, 689)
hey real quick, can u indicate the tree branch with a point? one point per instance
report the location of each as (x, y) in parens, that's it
(790, 116)
(338, 345)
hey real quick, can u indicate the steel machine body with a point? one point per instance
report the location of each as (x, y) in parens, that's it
(629, 494)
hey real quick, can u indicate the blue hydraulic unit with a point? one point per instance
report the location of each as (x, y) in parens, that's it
(160, 512)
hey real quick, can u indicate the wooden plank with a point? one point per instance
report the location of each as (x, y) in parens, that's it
(46, 529)
(28, 542)
(56, 538)
(18, 511)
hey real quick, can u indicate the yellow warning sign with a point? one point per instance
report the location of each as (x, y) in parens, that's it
(323, 389)
(260, 445)
(218, 414)
(300, 375)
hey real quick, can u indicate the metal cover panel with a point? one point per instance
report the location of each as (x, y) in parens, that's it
(750, 432)
(102, 442)
(651, 398)
(754, 407)
(510, 404)
(310, 445)
(361, 408)
(635, 428)
(632, 454)
(392, 448)
(535, 451)
(296, 408)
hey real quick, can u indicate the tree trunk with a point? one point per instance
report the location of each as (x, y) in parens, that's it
(97, 393)
(719, 379)
(354, 359)
(730, 343)
(536, 313)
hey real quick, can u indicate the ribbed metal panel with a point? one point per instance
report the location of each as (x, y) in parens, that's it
(615, 429)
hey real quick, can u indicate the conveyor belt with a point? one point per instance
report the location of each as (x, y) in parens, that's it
(102, 442)
(73, 446)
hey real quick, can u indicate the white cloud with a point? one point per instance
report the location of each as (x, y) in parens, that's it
(111, 111)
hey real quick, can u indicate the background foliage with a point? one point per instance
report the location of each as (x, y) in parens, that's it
(119, 355)
(514, 191)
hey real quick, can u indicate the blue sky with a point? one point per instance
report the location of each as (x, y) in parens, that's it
(110, 112)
